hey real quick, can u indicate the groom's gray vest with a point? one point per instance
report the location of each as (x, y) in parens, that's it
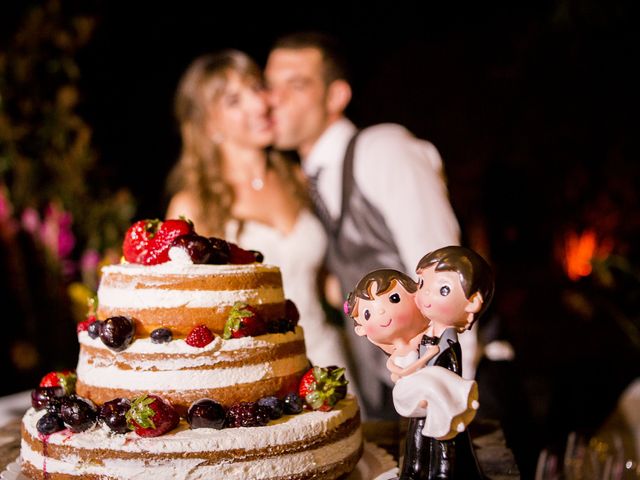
(360, 242)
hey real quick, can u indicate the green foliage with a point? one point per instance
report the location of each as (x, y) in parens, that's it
(46, 151)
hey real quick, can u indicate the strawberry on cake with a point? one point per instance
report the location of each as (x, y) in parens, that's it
(192, 366)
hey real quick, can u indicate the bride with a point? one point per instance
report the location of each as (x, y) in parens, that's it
(233, 186)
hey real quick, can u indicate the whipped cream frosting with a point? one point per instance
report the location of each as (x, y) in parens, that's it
(189, 269)
(171, 380)
(195, 469)
(180, 347)
(288, 429)
(177, 354)
(127, 296)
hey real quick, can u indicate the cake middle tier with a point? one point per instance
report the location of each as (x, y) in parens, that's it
(228, 371)
(179, 297)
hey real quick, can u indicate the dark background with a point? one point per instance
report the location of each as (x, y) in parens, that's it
(534, 108)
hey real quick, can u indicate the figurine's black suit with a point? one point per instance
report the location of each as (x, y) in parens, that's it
(429, 458)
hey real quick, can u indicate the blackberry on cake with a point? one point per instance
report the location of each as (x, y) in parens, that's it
(79, 414)
(247, 414)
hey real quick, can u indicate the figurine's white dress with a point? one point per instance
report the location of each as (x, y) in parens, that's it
(452, 401)
(299, 255)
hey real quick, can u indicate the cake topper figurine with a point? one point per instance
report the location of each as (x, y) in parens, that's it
(454, 288)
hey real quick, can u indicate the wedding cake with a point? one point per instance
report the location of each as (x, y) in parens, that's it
(191, 367)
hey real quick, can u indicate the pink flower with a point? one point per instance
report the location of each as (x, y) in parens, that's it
(90, 260)
(56, 233)
(30, 220)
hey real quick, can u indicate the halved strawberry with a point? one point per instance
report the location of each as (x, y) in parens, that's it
(243, 321)
(148, 241)
(151, 416)
(321, 388)
(65, 379)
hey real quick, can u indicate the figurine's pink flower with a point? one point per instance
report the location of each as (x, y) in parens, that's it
(345, 307)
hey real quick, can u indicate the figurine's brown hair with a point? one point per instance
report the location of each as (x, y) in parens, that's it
(474, 272)
(385, 279)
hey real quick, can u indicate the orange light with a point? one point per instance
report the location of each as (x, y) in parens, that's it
(580, 250)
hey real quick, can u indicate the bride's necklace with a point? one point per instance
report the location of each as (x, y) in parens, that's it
(256, 179)
(257, 183)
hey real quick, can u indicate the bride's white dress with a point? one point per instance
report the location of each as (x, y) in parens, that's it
(299, 255)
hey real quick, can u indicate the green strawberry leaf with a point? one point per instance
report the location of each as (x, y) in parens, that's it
(185, 219)
(315, 399)
(68, 382)
(141, 413)
(238, 312)
(151, 227)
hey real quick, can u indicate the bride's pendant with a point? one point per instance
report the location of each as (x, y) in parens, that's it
(257, 184)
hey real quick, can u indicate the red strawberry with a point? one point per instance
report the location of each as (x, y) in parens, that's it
(148, 241)
(321, 388)
(84, 326)
(151, 416)
(199, 336)
(243, 321)
(241, 256)
(65, 379)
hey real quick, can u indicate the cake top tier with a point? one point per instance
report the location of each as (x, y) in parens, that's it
(180, 296)
(186, 269)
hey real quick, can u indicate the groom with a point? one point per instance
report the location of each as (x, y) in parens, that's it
(379, 192)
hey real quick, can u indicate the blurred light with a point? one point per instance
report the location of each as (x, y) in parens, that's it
(580, 250)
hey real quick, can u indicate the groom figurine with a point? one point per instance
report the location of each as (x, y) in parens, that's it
(455, 287)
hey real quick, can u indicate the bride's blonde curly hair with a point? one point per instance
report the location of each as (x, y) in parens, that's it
(199, 169)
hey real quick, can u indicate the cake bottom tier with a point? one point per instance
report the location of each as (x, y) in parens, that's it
(318, 445)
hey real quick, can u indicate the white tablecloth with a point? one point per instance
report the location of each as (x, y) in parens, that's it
(14, 406)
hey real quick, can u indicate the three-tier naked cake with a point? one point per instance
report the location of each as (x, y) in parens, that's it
(192, 368)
